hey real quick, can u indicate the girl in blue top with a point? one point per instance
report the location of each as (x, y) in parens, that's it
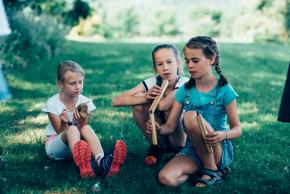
(215, 100)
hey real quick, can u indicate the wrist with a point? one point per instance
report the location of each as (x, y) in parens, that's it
(64, 122)
(226, 135)
(158, 130)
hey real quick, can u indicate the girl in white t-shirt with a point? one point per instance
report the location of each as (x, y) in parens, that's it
(68, 133)
(167, 64)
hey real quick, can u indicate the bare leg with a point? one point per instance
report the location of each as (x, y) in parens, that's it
(141, 116)
(178, 138)
(71, 136)
(210, 160)
(177, 170)
(91, 138)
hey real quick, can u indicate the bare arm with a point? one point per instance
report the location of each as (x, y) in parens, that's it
(233, 119)
(59, 123)
(167, 102)
(134, 96)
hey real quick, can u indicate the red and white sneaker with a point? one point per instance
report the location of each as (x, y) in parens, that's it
(82, 156)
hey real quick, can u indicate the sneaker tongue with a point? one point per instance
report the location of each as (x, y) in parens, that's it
(106, 162)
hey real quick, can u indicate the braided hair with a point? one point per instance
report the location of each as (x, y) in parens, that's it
(210, 50)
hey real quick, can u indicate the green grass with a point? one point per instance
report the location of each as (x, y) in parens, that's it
(257, 72)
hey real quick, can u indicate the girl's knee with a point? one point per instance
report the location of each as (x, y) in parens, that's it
(168, 179)
(72, 130)
(86, 129)
(190, 121)
(137, 108)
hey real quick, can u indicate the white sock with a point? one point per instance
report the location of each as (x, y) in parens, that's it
(98, 158)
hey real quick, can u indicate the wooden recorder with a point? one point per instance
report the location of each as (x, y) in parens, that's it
(152, 111)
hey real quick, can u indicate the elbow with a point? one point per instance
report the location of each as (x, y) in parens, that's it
(171, 128)
(240, 132)
(161, 108)
(114, 102)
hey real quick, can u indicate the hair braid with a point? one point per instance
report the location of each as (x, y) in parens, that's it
(223, 80)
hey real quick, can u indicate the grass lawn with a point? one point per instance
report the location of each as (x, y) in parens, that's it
(262, 157)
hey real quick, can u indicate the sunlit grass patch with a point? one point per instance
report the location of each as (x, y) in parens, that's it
(267, 118)
(28, 136)
(26, 85)
(247, 108)
(41, 119)
(250, 126)
(5, 108)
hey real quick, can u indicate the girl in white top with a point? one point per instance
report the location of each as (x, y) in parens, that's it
(167, 64)
(70, 134)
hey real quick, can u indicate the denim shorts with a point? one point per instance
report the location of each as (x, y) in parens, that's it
(56, 149)
(226, 158)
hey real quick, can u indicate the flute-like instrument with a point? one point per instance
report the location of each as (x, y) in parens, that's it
(203, 131)
(152, 111)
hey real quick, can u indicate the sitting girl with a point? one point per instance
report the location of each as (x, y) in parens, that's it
(166, 63)
(68, 132)
(214, 99)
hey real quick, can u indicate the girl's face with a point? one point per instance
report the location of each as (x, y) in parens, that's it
(166, 63)
(73, 84)
(196, 63)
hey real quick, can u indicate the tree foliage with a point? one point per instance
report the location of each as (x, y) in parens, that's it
(128, 22)
(38, 29)
(164, 23)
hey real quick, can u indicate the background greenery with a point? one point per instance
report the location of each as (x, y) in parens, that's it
(39, 27)
(257, 72)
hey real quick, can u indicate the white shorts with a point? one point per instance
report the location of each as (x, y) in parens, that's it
(56, 149)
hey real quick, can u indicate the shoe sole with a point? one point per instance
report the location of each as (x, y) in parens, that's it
(120, 154)
(82, 155)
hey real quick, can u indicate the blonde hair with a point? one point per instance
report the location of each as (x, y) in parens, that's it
(66, 66)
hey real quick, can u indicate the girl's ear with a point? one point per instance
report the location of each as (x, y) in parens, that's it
(178, 63)
(60, 84)
(154, 68)
(212, 61)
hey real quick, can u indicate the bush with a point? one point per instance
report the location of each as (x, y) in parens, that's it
(33, 38)
(164, 23)
(204, 20)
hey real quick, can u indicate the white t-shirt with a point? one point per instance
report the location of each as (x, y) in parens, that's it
(55, 106)
(150, 82)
